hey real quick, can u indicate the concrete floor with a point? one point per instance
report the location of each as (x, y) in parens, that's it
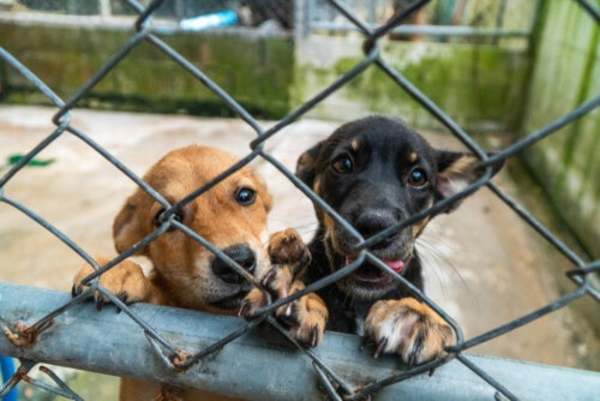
(490, 267)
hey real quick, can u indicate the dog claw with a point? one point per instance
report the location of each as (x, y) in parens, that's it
(314, 337)
(99, 304)
(266, 281)
(380, 347)
(74, 291)
(290, 315)
(244, 309)
(123, 298)
(288, 320)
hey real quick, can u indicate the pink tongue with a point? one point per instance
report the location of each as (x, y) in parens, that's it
(395, 265)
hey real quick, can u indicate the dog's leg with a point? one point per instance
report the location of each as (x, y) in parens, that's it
(408, 328)
(289, 257)
(169, 393)
(125, 280)
(307, 316)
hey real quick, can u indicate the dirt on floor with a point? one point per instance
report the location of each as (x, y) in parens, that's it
(486, 266)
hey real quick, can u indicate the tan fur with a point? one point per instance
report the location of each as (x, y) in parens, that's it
(396, 325)
(126, 280)
(182, 273)
(287, 247)
(317, 186)
(310, 317)
(181, 264)
(413, 157)
(460, 166)
(143, 390)
(419, 226)
(355, 145)
(306, 316)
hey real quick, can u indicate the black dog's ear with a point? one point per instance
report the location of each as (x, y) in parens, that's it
(306, 164)
(457, 170)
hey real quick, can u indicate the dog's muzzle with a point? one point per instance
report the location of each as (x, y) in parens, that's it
(242, 255)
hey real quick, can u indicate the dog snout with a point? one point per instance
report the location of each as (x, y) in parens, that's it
(370, 223)
(242, 255)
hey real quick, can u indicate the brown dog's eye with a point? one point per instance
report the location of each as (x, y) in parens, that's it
(343, 165)
(245, 196)
(417, 177)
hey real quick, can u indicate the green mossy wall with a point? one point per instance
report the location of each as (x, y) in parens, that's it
(480, 86)
(256, 70)
(566, 73)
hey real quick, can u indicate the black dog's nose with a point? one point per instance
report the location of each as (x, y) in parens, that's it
(242, 255)
(371, 223)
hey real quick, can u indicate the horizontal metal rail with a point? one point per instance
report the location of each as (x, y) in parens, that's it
(257, 366)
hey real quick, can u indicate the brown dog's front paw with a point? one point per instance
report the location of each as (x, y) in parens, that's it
(277, 282)
(408, 328)
(125, 280)
(252, 302)
(288, 255)
(287, 248)
(306, 317)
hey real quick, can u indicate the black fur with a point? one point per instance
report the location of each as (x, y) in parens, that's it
(375, 194)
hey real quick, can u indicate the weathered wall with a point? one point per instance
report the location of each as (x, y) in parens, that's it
(480, 86)
(566, 72)
(254, 69)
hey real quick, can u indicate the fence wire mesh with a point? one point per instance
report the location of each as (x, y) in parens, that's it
(334, 384)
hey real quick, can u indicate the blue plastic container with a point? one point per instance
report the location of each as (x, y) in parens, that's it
(8, 369)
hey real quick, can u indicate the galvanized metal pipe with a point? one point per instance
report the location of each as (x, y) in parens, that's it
(257, 366)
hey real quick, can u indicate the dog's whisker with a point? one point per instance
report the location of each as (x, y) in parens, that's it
(438, 260)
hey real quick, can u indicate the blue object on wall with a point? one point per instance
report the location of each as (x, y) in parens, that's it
(207, 21)
(8, 369)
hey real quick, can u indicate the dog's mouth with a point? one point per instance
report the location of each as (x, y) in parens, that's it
(371, 275)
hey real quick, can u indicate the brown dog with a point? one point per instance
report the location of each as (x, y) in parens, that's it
(233, 217)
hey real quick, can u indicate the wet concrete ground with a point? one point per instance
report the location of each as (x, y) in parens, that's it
(487, 266)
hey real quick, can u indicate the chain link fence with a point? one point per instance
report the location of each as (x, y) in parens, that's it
(333, 383)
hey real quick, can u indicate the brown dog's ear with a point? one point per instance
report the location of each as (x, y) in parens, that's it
(306, 164)
(129, 226)
(456, 171)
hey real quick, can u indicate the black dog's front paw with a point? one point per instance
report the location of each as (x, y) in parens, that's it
(408, 328)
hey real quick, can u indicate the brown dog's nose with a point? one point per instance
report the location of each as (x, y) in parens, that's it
(242, 255)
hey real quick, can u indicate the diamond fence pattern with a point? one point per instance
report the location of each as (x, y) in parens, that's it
(336, 387)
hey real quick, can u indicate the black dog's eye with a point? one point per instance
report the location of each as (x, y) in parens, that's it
(158, 219)
(245, 196)
(343, 164)
(417, 177)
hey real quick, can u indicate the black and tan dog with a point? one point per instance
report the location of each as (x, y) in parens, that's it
(375, 172)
